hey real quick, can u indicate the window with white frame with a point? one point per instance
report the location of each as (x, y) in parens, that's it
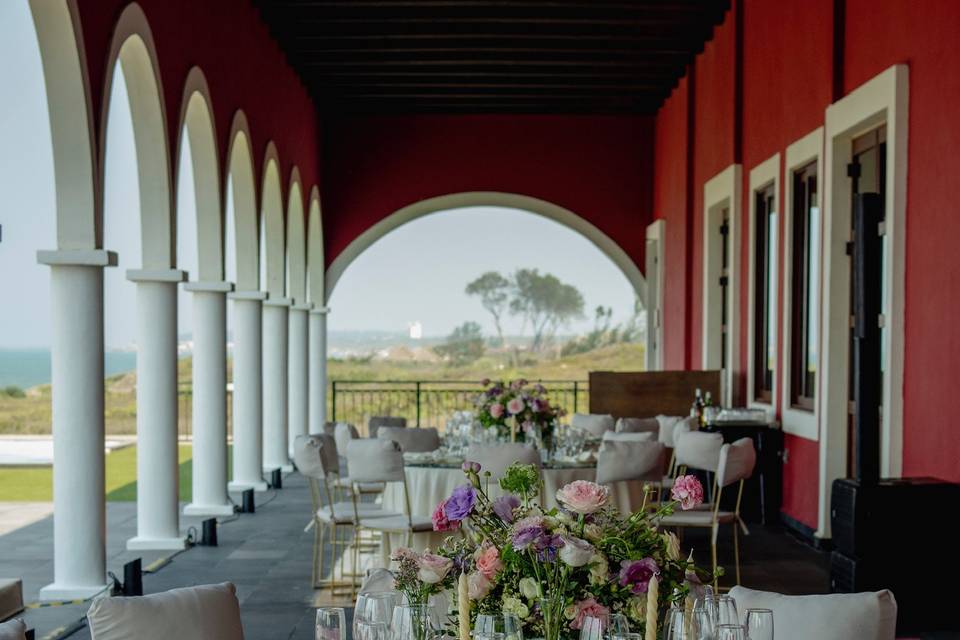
(764, 286)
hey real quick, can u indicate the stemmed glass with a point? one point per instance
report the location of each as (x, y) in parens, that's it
(331, 624)
(725, 610)
(759, 624)
(507, 625)
(730, 632)
(603, 627)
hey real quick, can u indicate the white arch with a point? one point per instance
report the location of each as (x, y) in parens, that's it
(71, 123)
(134, 48)
(490, 199)
(296, 241)
(271, 206)
(196, 122)
(315, 257)
(246, 235)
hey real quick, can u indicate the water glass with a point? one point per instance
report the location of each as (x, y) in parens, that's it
(725, 610)
(412, 622)
(759, 624)
(593, 628)
(487, 635)
(363, 630)
(617, 624)
(376, 607)
(731, 632)
(677, 626)
(331, 624)
(625, 636)
(507, 624)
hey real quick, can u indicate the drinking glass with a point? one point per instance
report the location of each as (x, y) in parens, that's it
(487, 635)
(730, 632)
(376, 607)
(725, 610)
(331, 624)
(593, 628)
(506, 624)
(617, 624)
(363, 630)
(625, 636)
(412, 622)
(678, 625)
(759, 624)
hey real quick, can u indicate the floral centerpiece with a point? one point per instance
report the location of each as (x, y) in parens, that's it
(554, 568)
(517, 410)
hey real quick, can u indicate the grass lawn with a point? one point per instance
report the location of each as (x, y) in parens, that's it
(35, 484)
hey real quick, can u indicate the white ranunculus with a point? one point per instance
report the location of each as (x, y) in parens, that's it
(575, 552)
(529, 588)
(599, 569)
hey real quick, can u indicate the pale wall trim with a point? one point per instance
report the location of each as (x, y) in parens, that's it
(656, 236)
(490, 199)
(883, 99)
(246, 221)
(799, 154)
(760, 176)
(315, 261)
(723, 190)
(273, 265)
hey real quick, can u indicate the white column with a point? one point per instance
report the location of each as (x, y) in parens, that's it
(275, 385)
(318, 369)
(158, 495)
(209, 400)
(297, 385)
(79, 510)
(247, 383)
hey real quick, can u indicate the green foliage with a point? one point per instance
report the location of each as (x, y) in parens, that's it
(520, 479)
(463, 346)
(494, 292)
(545, 303)
(604, 335)
(14, 391)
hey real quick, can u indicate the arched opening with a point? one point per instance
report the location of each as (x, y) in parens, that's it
(243, 237)
(315, 263)
(272, 229)
(296, 242)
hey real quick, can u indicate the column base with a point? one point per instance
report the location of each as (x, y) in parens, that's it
(141, 543)
(56, 593)
(208, 510)
(237, 487)
(284, 468)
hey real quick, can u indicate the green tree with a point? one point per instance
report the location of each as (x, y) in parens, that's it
(463, 346)
(545, 303)
(494, 292)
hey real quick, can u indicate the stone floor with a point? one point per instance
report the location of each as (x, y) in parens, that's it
(267, 556)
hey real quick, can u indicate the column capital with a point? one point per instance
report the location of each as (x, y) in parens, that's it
(303, 306)
(322, 311)
(278, 302)
(247, 295)
(78, 258)
(209, 286)
(156, 275)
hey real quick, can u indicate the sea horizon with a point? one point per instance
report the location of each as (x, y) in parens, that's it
(29, 367)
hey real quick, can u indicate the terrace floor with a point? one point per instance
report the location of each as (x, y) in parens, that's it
(267, 556)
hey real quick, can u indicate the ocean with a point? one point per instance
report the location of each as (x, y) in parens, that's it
(26, 368)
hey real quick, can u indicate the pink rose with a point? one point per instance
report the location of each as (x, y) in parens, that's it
(478, 586)
(496, 410)
(588, 608)
(488, 561)
(583, 497)
(515, 406)
(434, 568)
(688, 491)
(440, 521)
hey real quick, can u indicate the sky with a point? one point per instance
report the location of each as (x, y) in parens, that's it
(417, 273)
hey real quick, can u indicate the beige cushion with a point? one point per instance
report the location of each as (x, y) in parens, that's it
(343, 433)
(411, 440)
(669, 426)
(375, 460)
(398, 522)
(638, 425)
(495, 458)
(699, 450)
(375, 422)
(11, 597)
(619, 461)
(838, 616)
(343, 513)
(192, 613)
(737, 462)
(308, 456)
(695, 518)
(593, 423)
(629, 436)
(13, 630)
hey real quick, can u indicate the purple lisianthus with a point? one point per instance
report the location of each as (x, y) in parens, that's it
(526, 532)
(460, 503)
(504, 506)
(536, 405)
(547, 547)
(636, 574)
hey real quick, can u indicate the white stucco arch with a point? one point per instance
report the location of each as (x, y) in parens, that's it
(271, 207)
(71, 123)
(315, 257)
(133, 49)
(246, 229)
(296, 241)
(489, 199)
(196, 122)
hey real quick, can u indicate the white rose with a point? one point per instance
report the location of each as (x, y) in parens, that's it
(575, 552)
(592, 532)
(599, 569)
(516, 606)
(529, 588)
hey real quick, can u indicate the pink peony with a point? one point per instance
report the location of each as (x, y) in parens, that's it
(488, 561)
(588, 608)
(515, 406)
(478, 586)
(496, 410)
(583, 497)
(440, 520)
(688, 491)
(434, 568)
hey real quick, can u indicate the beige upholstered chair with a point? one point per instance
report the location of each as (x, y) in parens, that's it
(13, 630)
(735, 464)
(837, 616)
(191, 613)
(344, 432)
(316, 457)
(630, 461)
(638, 425)
(593, 423)
(375, 422)
(629, 436)
(495, 458)
(411, 440)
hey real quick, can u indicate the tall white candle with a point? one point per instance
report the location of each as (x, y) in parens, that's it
(463, 606)
(652, 595)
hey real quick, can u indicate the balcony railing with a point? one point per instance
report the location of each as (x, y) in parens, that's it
(429, 403)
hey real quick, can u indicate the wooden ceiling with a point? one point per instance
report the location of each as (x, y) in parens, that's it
(491, 56)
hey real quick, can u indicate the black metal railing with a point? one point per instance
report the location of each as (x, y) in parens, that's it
(429, 403)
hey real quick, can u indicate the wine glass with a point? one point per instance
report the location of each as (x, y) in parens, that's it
(331, 624)
(677, 625)
(506, 624)
(593, 628)
(759, 624)
(412, 622)
(730, 632)
(725, 610)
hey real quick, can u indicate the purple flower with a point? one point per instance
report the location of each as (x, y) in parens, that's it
(470, 467)
(536, 405)
(547, 547)
(504, 506)
(460, 503)
(526, 532)
(636, 574)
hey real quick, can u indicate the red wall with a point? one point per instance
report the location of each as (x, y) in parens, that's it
(243, 66)
(597, 167)
(787, 73)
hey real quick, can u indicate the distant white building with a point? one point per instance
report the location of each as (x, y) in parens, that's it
(416, 330)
